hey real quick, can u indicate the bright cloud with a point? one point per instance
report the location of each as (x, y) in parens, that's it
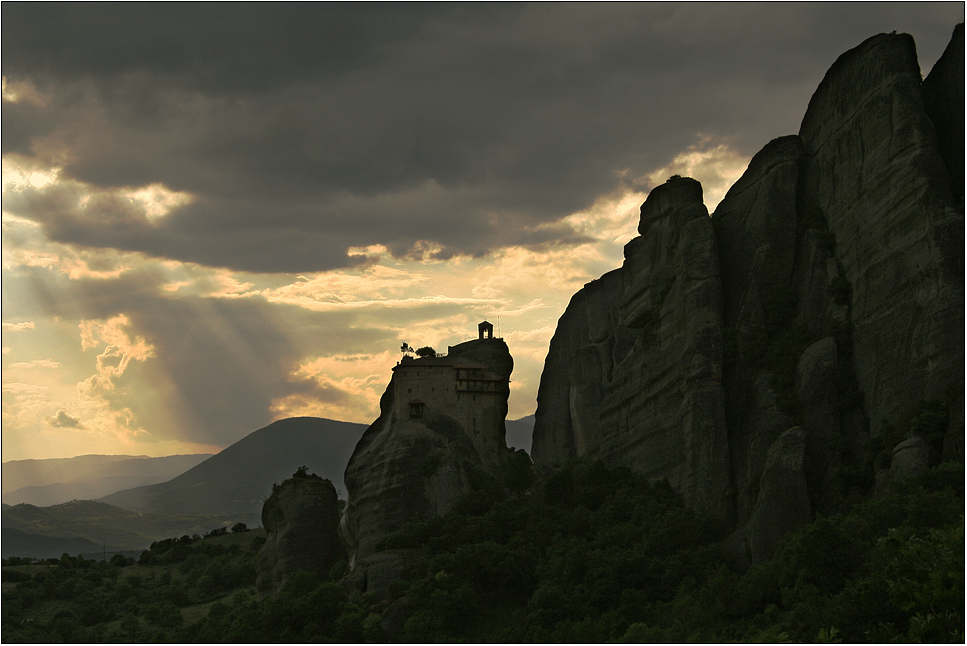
(113, 333)
(39, 363)
(63, 420)
(157, 200)
(18, 327)
(17, 91)
(359, 380)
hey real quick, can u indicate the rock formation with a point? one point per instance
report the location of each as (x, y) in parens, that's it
(768, 361)
(943, 94)
(301, 520)
(440, 434)
(634, 371)
(874, 171)
(750, 357)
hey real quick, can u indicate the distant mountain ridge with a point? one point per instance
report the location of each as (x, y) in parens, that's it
(238, 479)
(51, 482)
(519, 433)
(32, 473)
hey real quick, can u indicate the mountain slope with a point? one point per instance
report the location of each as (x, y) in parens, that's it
(238, 479)
(37, 473)
(519, 432)
(51, 482)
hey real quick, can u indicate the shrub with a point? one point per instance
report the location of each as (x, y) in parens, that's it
(426, 351)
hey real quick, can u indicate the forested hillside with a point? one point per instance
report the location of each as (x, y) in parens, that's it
(588, 555)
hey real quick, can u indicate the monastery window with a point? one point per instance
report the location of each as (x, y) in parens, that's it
(417, 409)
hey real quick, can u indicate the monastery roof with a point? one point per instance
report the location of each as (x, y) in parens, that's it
(456, 362)
(448, 362)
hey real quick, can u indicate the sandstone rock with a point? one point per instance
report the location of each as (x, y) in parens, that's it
(579, 363)
(943, 98)
(756, 226)
(663, 412)
(817, 396)
(634, 370)
(377, 572)
(816, 390)
(439, 434)
(874, 170)
(301, 520)
(783, 500)
(910, 458)
(827, 294)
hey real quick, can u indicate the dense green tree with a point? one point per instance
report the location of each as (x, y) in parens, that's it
(426, 351)
(591, 554)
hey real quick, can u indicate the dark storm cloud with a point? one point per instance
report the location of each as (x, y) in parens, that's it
(62, 420)
(304, 130)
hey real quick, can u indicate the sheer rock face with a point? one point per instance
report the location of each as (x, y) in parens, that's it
(301, 520)
(873, 169)
(644, 344)
(783, 502)
(440, 429)
(663, 410)
(771, 269)
(943, 94)
(824, 295)
(585, 347)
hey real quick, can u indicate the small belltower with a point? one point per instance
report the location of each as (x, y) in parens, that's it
(485, 330)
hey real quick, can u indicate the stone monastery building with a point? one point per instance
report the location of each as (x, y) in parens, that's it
(458, 387)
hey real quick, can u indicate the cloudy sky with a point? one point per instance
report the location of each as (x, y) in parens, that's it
(219, 215)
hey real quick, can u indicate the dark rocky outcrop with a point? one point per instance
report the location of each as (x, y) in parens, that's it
(943, 99)
(440, 434)
(634, 370)
(874, 172)
(301, 520)
(587, 344)
(750, 357)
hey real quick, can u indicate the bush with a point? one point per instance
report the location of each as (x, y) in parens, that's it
(426, 351)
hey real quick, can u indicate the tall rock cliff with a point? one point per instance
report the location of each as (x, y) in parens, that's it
(440, 434)
(301, 520)
(634, 371)
(750, 358)
(874, 171)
